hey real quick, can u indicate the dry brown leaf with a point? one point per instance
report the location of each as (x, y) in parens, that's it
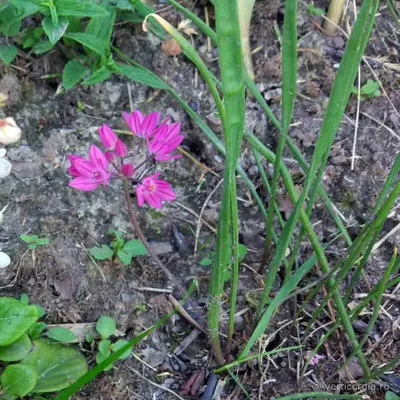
(171, 47)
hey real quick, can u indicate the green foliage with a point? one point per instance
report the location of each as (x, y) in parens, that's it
(16, 350)
(8, 53)
(391, 396)
(370, 90)
(33, 241)
(124, 251)
(61, 335)
(315, 10)
(42, 366)
(57, 365)
(106, 327)
(19, 379)
(15, 319)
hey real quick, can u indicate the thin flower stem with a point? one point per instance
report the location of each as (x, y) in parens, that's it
(149, 158)
(139, 233)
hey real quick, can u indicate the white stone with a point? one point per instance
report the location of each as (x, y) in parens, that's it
(10, 132)
(5, 261)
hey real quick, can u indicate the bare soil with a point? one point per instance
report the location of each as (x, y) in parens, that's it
(63, 279)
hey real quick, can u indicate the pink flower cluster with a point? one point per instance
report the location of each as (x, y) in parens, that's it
(161, 141)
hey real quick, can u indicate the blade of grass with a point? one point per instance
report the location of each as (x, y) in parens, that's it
(230, 60)
(289, 79)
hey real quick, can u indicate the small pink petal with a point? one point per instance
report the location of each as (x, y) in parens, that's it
(84, 184)
(97, 157)
(108, 137)
(120, 149)
(110, 156)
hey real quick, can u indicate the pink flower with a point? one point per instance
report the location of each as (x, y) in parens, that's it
(127, 170)
(165, 141)
(120, 149)
(72, 159)
(89, 174)
(315, 359)
(140, 125)
(154, 191)
(108, 137)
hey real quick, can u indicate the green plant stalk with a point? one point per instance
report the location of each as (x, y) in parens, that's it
(230, 57)
(318, 251)
(289, 78)
(380, 291)
(234, 270)
(263, 104)
(91, 374)
(245, 11)
(334, 16)
(337, 102)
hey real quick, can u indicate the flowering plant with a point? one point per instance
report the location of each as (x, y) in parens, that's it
(161, 141)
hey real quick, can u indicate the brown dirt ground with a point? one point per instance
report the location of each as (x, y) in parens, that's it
(62, 278)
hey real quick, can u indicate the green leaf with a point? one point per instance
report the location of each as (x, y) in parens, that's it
(73, 72)
(57, 365)
(18, 379)
(39, 309)
(119, 345)
(370, 87)
(90, 41)
(124, 5)
(29, 42)
(98, 76)
(61, 335)
(105, 326)
(102, 26)
(126, 258)
(391, 396)
(206, 261)
(55, 32)
(89, 337)
(100, 357)
(32, 246)
(24, 299)
(17, 350)
(15, 319)
(42, 46)
(8, 53)
(101, 253)
(242, 251)
(315, 10)
(135, 247)
(139, 75)
(10, 20)
(36, 329)
(26, 8)
(79, 8)
(104, 346)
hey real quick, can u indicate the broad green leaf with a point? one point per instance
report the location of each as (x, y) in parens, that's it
(139, 75)
(106, 326)
(126, 258)
(10, 20)
(18, 379)
(36, 329)
(102, 26)
(42, 46)
(57, 365)
(370, 87)
(100, 357)
(39, 309)
(16, 350)
(89, 337)
(61, 335)
(135, 247)
(104, 346)
(98, 76)
(79, 8)
(25, 8)
(8, 53)
(124, 5)
(101, 253)
(15, 319)
(73, 72)
(119, 345)
(55, 32)
(90, 41)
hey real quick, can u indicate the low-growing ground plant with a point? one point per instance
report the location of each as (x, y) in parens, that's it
(35, 359)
